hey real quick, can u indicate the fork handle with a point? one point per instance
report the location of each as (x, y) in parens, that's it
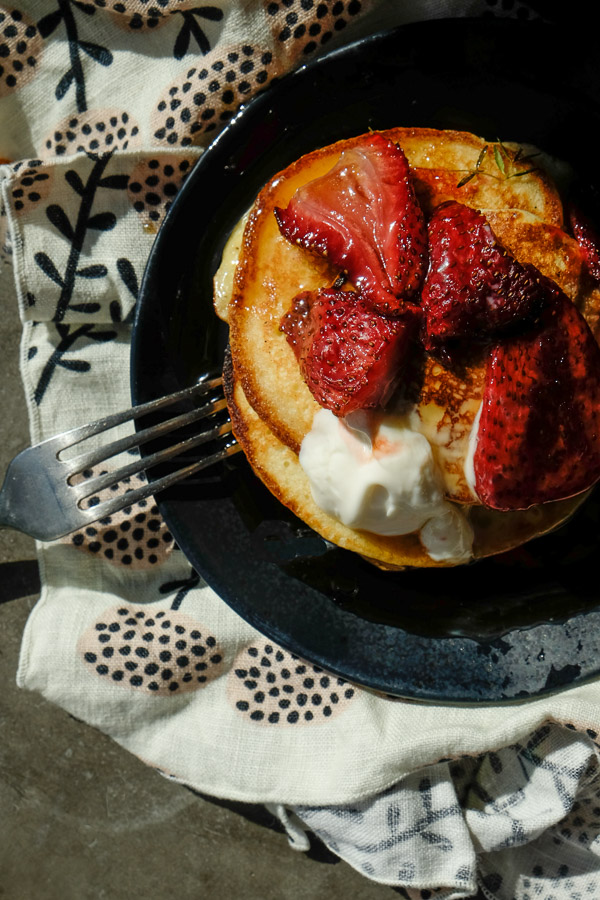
(28, 502)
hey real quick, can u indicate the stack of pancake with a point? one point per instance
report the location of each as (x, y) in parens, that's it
(271, 407)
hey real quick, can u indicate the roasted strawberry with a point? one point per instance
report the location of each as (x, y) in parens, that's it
(363, 215)
(539, 432)
(350, 356)
(474, 287)
(587, 238)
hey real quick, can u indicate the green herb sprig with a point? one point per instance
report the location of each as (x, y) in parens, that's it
(504, 160)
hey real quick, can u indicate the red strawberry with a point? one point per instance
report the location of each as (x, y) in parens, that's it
(363, 215)
(588, 240)
(474, 287)
(349, 355)
(539, 432)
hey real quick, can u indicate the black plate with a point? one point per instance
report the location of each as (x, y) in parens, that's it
(508, 628)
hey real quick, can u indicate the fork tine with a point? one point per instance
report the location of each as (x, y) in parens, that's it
(95, 485)
(92, 457)
(38, 499)
(129, 498)
(80, 433)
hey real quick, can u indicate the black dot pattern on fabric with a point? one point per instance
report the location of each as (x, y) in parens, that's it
(142, 15)
(155, 183)
(126, 646)
(32, 185)
(100, 131)
(271, 686)
(208, 95)
(303, 26)
(20, 50)
(136, 537)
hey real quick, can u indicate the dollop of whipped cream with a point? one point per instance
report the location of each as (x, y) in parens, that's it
(376, 474)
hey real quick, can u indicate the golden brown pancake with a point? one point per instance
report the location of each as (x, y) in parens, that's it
(271, 406)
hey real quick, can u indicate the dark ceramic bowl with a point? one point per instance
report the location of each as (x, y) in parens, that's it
(515, 626)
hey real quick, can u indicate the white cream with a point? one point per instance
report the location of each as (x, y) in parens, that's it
(379, 475)
(448, 537)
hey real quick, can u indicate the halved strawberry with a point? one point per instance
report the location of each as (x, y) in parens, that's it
(474, 287)
(588, 239)
(363, 215)
(350, 356)
(539, 432)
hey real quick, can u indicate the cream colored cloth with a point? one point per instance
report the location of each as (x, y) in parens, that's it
(104, 107)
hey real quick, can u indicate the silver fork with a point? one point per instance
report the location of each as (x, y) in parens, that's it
(41, 498)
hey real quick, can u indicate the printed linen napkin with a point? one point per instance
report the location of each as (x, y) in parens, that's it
(104, 108)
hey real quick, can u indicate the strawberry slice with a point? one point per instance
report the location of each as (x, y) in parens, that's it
(539, 432)
(587, 237)
(350, 356)
(363, 215)
(474, 286)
